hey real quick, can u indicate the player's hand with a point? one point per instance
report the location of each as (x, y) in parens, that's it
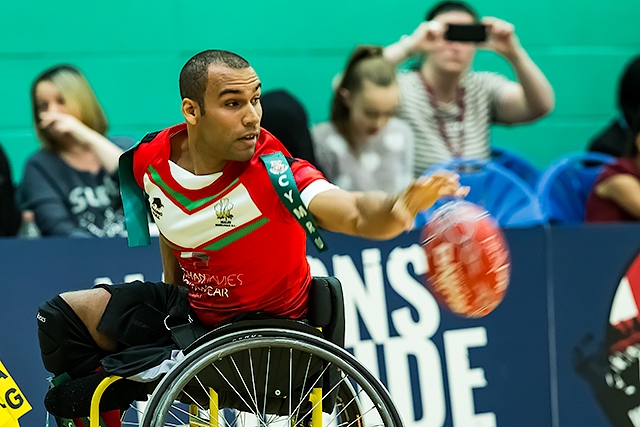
(501, 37)
(426, 37)
(61, 124)
(422, 193)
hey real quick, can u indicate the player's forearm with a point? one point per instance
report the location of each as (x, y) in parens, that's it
(538, 93)
(375, 219)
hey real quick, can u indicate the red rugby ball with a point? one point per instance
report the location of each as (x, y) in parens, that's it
(468, 258)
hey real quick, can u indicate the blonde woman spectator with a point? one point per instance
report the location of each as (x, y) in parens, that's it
(71, 182)
(364, 147)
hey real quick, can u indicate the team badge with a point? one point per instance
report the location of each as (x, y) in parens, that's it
(223, 212)
(278, 167)
(156, 207)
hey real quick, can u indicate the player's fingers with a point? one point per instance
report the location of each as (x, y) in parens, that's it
(462, 191)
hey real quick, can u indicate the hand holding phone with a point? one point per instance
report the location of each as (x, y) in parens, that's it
(466, 33)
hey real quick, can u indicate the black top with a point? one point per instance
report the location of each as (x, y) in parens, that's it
(9, 214)
(285, 117)
(616, 139)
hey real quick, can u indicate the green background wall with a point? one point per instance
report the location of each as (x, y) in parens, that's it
(132, 52)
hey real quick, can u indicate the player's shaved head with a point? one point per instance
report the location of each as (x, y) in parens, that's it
(195, 73)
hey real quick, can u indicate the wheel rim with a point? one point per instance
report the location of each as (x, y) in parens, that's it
(369, 392)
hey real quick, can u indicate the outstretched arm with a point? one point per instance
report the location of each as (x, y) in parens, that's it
(377, 215)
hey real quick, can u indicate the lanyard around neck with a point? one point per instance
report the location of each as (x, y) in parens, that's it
(458, 150)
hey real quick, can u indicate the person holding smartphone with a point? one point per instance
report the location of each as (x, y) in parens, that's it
(449, 107)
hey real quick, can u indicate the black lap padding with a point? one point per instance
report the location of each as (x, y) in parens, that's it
(134, 360)
(185, 331)
(73, 398)
(136, 312)
(65, 343)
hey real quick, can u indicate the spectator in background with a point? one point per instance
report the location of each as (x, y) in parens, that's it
(285, 117)
(449, 107)
(615, 195)
(618, 139)
(9, 214)
(71, 182)
(364, 147)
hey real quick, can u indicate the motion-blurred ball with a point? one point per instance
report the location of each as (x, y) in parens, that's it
(468, 258)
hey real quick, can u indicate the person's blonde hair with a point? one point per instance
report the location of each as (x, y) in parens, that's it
(79, 99)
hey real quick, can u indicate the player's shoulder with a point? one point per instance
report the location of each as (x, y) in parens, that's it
(155, 143)
(267, 143)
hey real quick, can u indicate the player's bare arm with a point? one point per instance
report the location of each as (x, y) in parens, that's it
(172, 272)
(377, 215)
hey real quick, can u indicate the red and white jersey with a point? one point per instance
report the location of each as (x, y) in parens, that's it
(239, 248)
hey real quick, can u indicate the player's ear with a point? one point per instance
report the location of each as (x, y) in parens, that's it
(191, 111)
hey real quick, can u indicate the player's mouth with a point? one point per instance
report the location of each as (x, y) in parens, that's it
(250, 137)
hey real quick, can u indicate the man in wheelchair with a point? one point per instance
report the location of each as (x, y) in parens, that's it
(233, 210)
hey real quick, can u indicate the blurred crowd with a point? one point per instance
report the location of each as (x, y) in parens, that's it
(397, 112)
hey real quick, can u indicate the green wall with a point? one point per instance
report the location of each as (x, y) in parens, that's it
(132, 52)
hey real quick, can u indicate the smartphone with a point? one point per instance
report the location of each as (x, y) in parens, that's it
(468, 33)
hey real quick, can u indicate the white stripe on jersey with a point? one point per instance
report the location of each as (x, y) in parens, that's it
(190, 230)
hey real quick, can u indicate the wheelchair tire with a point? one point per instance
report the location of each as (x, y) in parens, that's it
(361, 399)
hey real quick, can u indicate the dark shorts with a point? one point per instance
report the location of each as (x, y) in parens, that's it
(136, 315)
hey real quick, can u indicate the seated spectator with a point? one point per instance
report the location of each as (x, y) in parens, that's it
(617, 139)
(9, 214)
(448, 106)
(364, 147)
(615, 195)
(285, 117)
(71, 182)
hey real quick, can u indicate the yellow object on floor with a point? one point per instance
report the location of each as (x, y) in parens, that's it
(13, 404)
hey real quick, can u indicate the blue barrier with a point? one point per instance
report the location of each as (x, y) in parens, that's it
(512, 367)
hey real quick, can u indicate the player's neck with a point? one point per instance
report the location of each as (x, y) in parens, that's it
(189, 155)
(444, 84)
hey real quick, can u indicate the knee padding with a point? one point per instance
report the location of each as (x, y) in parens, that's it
(65, 343)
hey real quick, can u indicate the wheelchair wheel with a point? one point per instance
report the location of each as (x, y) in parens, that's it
(270, 377)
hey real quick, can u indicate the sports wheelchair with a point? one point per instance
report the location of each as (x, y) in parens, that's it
(268, 372)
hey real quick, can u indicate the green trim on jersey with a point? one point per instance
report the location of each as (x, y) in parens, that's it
(184, 201)
(227, 239)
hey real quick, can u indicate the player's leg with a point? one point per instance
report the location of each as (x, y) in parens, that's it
(66, 343)
(77, 330)
(89, 305)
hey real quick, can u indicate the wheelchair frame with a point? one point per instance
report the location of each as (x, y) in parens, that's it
(260, 338)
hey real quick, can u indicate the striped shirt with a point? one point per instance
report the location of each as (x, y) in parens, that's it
(482, 94)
